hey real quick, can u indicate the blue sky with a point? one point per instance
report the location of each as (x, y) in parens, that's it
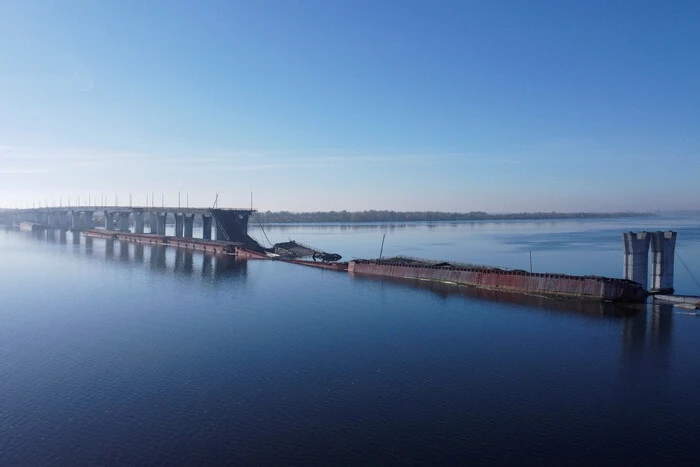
(331, 105)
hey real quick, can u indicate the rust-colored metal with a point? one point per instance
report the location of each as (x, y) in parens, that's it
(213, 246)
(583, 287)
(339, 266)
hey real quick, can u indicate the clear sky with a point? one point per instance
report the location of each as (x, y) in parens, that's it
(331, 104)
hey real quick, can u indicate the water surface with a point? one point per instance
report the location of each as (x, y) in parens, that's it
(115, 353)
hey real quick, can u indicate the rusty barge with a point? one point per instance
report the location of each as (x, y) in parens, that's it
(588, 288)
(212, 246)
(516, 281)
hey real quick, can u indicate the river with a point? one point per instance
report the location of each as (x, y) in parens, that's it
(113, 353)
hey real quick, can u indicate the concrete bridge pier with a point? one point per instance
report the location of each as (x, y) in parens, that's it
(138, 222)
(663, 247)
(58, 219)
(109, 220)
(636, 262)
(189, 225)
(75, 220)
(152, 222)
(162, 218)
(124, 223)
(88, 222)
(179, 224)
(206, 227)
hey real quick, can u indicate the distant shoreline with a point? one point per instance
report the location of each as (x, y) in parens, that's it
(286, 217)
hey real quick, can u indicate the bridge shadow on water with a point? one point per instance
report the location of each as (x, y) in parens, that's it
(157, 258)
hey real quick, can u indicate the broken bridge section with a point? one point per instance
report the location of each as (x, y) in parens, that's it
(232, 225)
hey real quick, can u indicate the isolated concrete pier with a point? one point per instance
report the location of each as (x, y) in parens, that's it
(663, 247)
(636, 259)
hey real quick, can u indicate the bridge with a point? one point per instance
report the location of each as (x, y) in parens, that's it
(229, 224)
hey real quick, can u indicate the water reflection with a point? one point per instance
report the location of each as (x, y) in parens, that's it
(647, 340)
(124, 250)
(646, 329)
(138, 253)
(155, 257)
(593, 309)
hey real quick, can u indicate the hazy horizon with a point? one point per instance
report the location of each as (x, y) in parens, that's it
(320, 106)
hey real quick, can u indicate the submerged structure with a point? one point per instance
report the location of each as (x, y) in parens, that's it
(232, 238)
(556, 285)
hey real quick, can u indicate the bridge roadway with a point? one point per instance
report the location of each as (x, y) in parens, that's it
(230, 224)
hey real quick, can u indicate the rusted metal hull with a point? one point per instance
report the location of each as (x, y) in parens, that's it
(339, 266)
(213, 246)
(581, 287)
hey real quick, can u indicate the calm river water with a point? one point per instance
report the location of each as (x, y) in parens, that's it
(118, 354)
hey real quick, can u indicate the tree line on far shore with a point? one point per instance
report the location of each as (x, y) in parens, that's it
(283, 217)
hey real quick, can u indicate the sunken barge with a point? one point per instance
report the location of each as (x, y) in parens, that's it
(517, 281)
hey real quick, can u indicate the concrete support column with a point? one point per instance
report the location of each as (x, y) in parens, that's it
(88, 222)
(179, 225)
(162, 218)
(152, 222)
(124, 221)
(138, 222)
(663, 248)
(75, 220)
(189, 225)
(62, 219)
(109, 220)
(206, 227)
(636, 262)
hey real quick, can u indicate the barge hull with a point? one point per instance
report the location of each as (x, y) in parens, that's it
(213, 246)
(561, 285)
